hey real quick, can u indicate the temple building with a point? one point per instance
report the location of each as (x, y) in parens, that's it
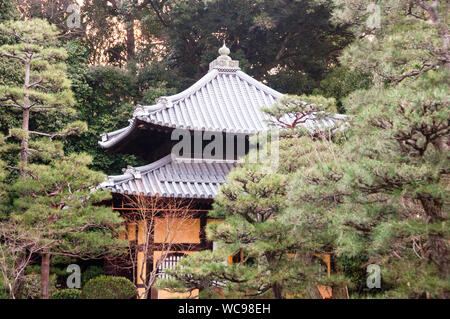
(226, 102)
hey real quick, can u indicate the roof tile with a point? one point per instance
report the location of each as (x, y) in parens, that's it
(170, 177)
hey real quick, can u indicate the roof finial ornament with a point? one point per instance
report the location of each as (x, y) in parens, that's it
(224, 63)
(224, 52)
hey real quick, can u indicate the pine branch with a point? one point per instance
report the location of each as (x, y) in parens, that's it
(425, 68)
(11, 105)
(13, 57)
(34, 84)
(51, 136)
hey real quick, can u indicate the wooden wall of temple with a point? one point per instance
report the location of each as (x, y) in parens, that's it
(171, 237)
(187, 236)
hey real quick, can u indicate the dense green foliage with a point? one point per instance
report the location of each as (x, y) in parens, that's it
(31, 288)
(67, 294)
(376, 195)
(52, 197)
(394, 166)
(90, 273)
(107, 287)
(7, 10)
(294, 37)
(257, 221)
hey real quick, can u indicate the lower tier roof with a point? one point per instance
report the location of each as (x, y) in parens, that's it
(169, 177)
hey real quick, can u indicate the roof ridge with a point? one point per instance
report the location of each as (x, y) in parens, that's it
(245, 77)
(207, 78)
(168, 101)
(129, 172)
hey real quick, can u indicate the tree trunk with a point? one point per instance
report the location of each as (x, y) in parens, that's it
(142, 256)
(436, 248)
(12, 291)
(432, 208)
(45, 273)
(25, 120)
(24, 144)
(277, 291)
(131, 41)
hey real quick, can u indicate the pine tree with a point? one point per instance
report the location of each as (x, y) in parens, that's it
(54, 191)
(404, 161)
(385, 192)
(45, 86)
(58, 198)
(256, 228)
(378, 194)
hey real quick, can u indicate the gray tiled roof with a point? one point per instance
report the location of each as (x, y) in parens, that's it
(220, 101)
(172, 178)
(224, 100)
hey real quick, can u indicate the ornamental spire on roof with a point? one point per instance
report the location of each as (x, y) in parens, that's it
(224, 62)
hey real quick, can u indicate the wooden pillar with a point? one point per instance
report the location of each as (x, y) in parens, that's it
(123, 235)
(326, 258)
(132, 232)
(141, 259)
(45, 273)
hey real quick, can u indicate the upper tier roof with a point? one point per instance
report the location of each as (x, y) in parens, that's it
(221, 101)
(224, 100)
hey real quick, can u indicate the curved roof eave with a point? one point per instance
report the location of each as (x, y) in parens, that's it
(113, 138)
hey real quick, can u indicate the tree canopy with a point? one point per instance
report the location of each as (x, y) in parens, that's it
(372, 194)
